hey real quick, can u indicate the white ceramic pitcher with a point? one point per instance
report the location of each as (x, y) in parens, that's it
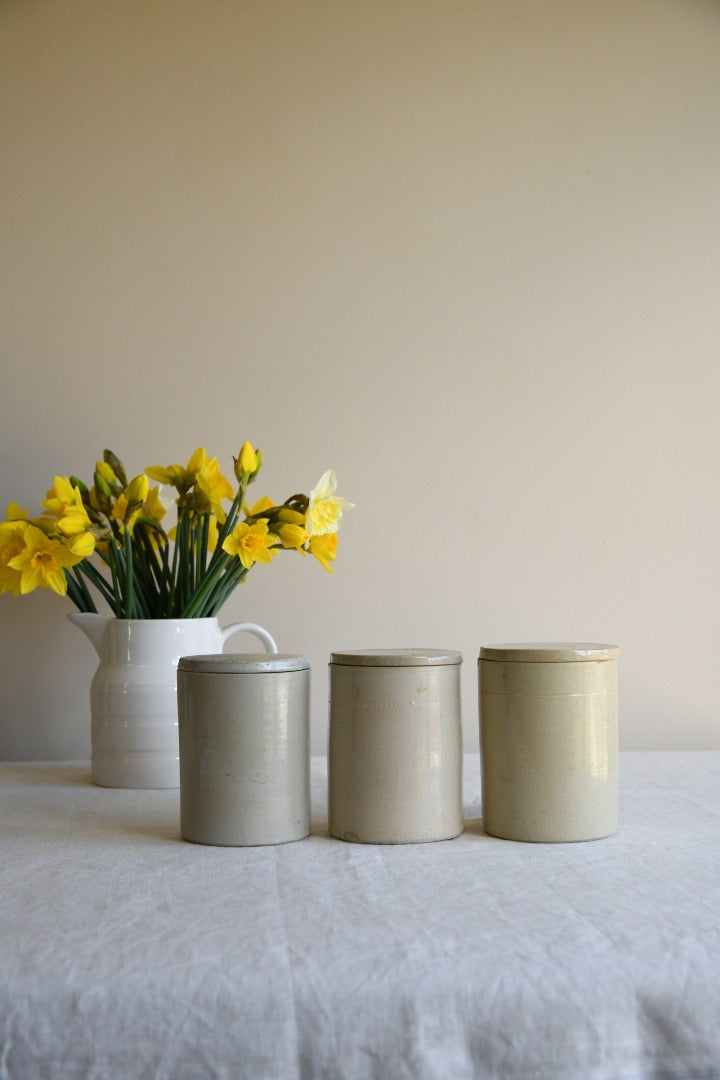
(133, 696)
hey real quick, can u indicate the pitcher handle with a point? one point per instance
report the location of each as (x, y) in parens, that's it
(249, 628)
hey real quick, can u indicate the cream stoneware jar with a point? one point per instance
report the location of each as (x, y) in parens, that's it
(395, 746)
(549, 741)
(244, 748)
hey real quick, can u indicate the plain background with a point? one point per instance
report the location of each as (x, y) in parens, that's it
(466, 253)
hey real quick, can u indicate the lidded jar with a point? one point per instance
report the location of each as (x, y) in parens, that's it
(395, 746)
(549, 740)
(244, 748)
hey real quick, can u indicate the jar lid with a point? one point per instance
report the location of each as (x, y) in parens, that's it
(396, 657)
(549, 652)
(243, 663)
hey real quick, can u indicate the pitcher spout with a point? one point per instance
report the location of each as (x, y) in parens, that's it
(92, 626)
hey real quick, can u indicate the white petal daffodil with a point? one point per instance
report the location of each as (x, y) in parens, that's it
(325, 508)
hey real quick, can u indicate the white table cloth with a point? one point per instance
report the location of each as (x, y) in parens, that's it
(127, 952)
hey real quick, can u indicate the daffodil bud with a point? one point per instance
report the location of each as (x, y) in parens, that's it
(247, 463)
(101, 494)
(248, 458)
(116, 465)
(137, 490)
(292, 536)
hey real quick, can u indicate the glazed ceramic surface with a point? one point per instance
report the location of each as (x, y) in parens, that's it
(133, 694)
(549, 741)
(395, 746)
(244, 749)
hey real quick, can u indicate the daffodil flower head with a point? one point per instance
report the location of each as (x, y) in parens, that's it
(324, 548)
(260, 508)
(75, 520)
(42, 562)
(325, 507)
(182, 479)
(61, 496)
(214, 486)
(155, 506)
(81, 544)
(12, 543)
(128, 505)
(251, 543)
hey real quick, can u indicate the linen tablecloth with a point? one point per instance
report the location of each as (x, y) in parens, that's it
(127, 952)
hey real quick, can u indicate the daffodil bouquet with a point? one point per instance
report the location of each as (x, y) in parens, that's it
(109, 538)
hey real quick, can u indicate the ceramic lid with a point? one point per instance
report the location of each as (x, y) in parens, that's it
(395, 657)
(549, 652)
(243, 663)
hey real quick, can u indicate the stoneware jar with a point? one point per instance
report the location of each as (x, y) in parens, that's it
(549, 740)
(395, 746)
(244, 748)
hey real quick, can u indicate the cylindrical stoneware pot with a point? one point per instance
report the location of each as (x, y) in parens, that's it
(549, 741)
(244, 748)
(395, 746)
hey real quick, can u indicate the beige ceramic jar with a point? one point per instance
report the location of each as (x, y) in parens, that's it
(549, 741)
(395, 746)
(244, 748)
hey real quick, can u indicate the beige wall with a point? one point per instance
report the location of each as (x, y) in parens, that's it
(467, 253)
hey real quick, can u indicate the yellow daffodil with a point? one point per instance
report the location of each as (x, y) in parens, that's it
(12, 543)
(324, 548)
(138, 489)
(290, 517)
(259, 508)
(215, 486)
(175, 475)
(248, 459)
(107, 474)
(247, 464)
(64, 500)
(81, 544)
(128, 505)
(75, 520)
(145, 578)
(251, 543)
(42, 561)
(119, 511)
(155, 506)
(292, 536)
(325, 508)
(62, 497)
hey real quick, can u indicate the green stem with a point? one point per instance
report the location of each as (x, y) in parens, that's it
(96, 578)
(78, 596)
(129, 577)
(227, 527)
(80, 580)
(227, 584)
(117, 581)
(194, 607)
(203, 534)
